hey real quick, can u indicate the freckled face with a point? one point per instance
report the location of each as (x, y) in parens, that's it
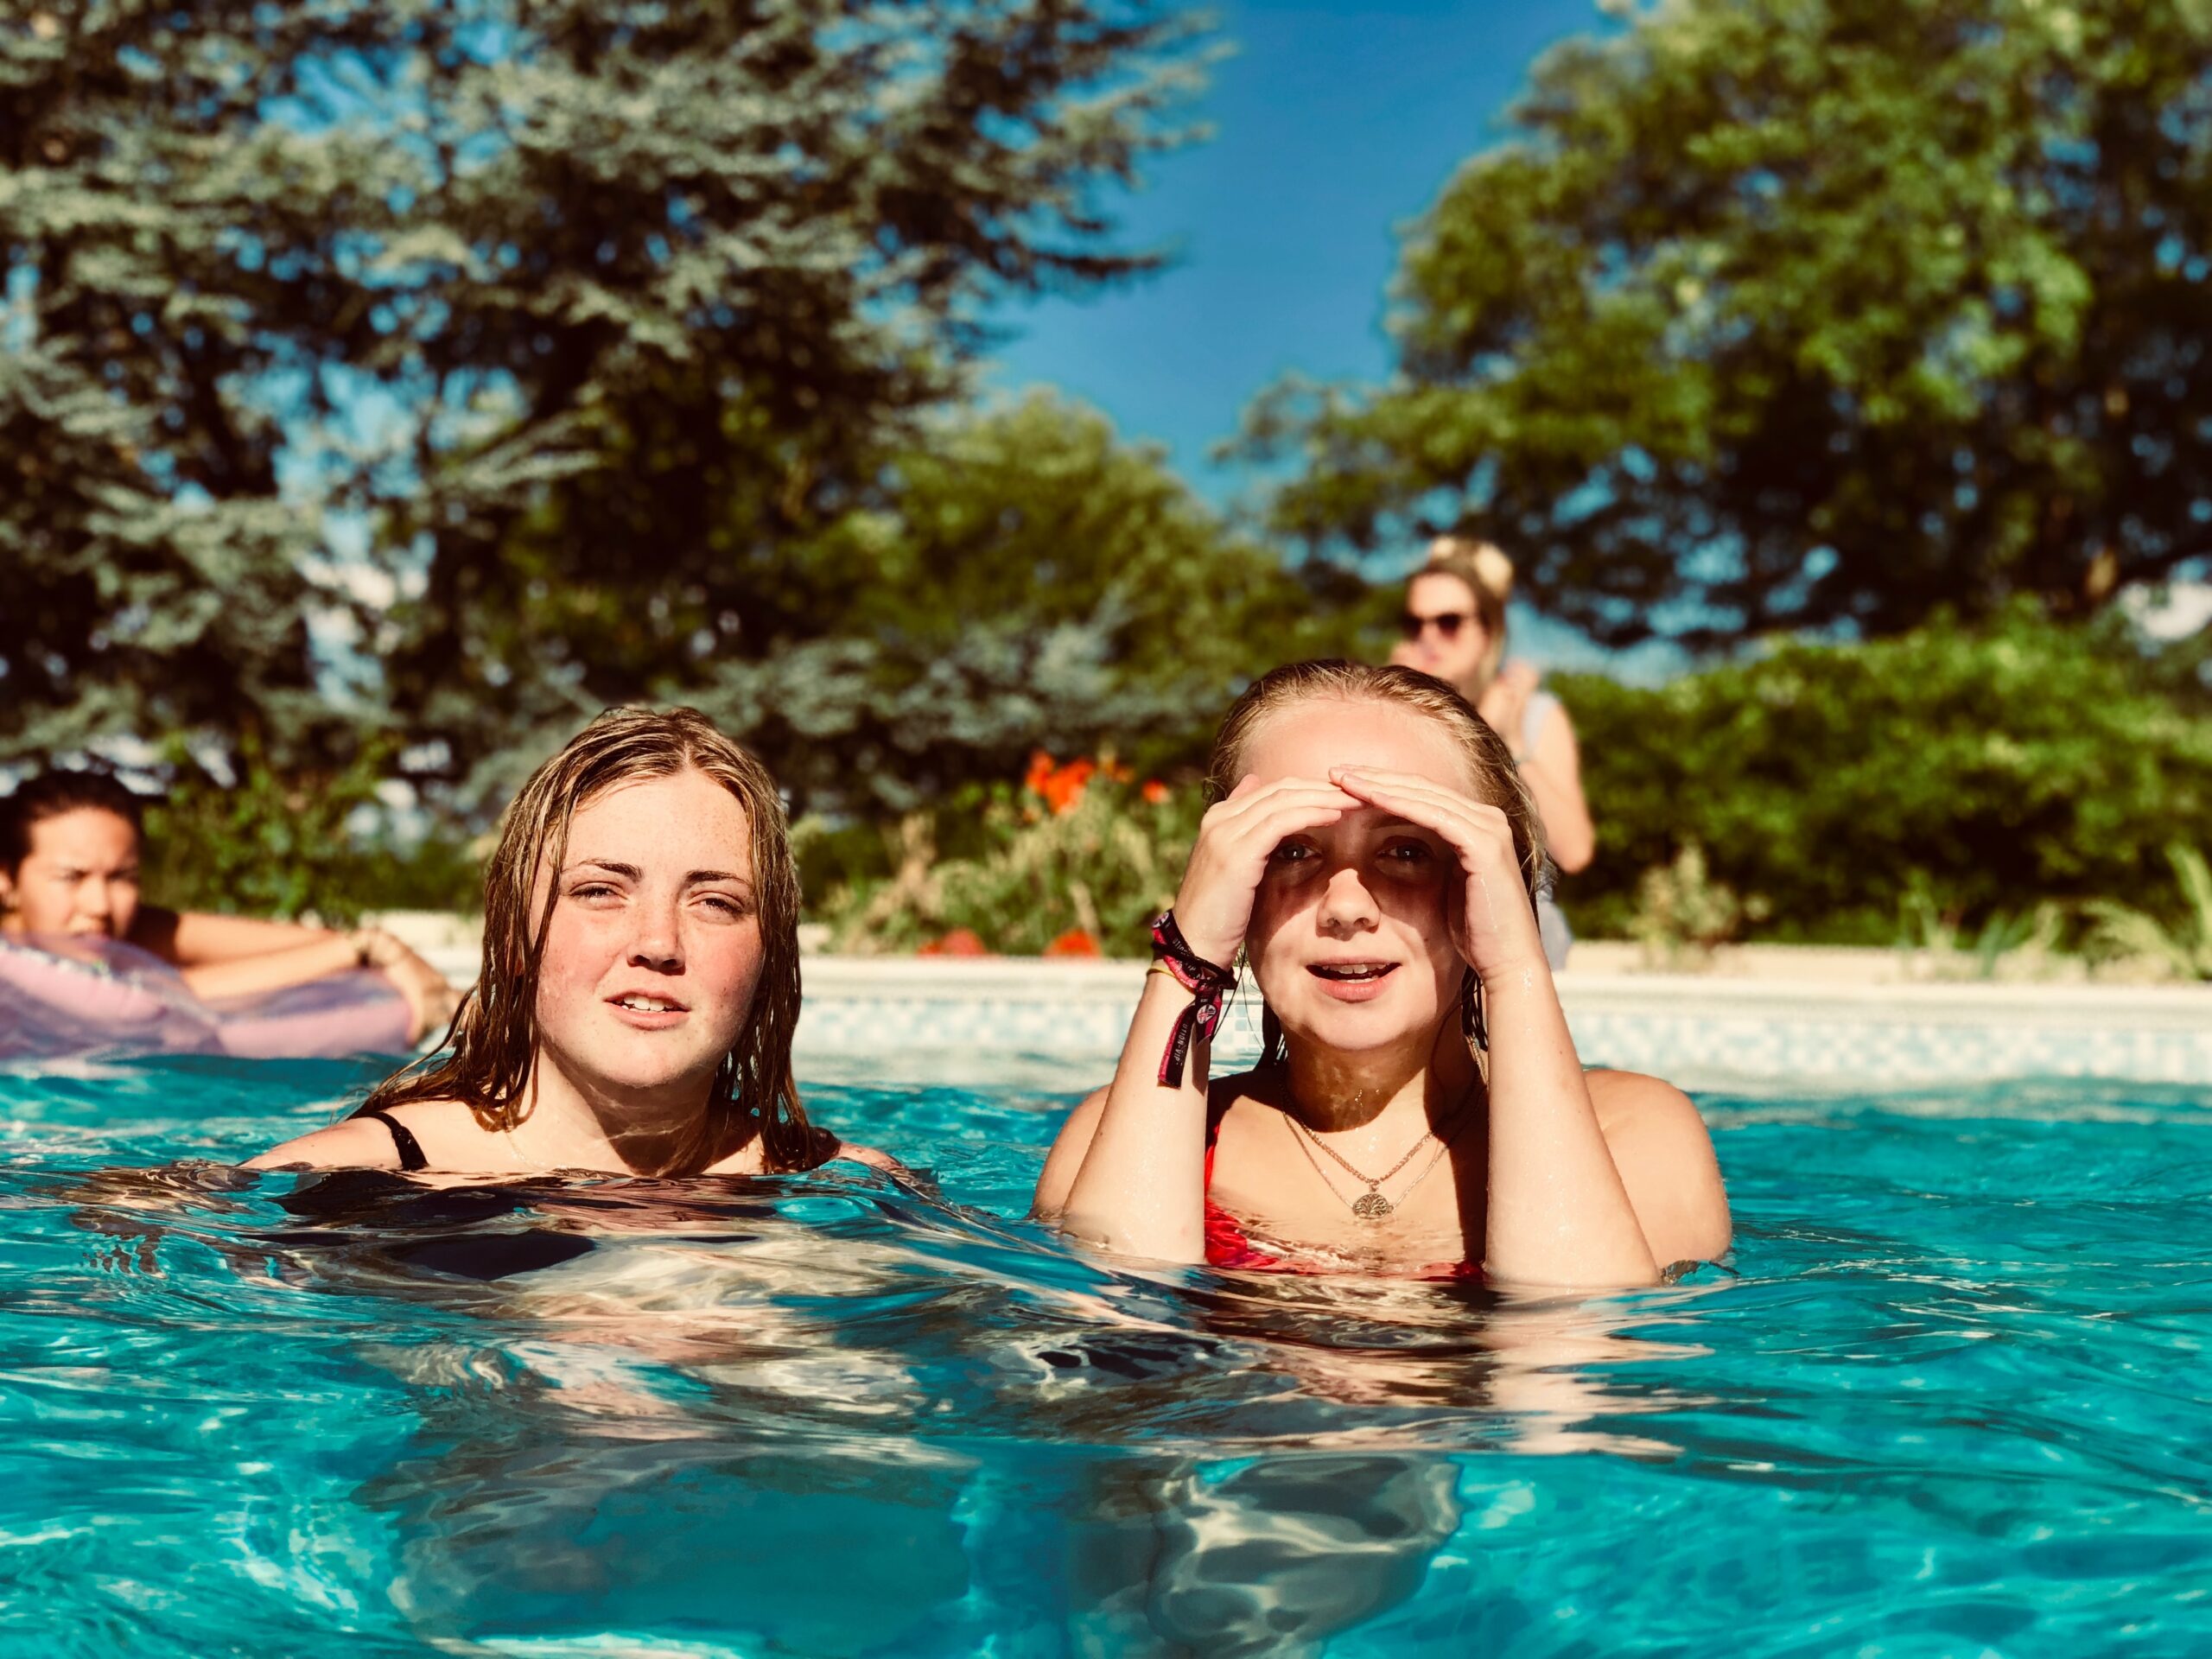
(655, 950)
(1350, 937)
(1453, 638)
(80, 876)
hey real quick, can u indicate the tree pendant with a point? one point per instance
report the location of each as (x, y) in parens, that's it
(1372, 1207)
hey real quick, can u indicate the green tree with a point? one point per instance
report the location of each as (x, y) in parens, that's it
(156, 573)
(1965, 772)
(582, 308)
(1776, 314)
(1019, 579)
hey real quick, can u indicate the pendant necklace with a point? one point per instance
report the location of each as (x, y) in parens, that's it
(1370, 1205)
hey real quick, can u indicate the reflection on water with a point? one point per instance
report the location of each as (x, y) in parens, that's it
(1266, 1557)
(840, 1414)
(705, 1414)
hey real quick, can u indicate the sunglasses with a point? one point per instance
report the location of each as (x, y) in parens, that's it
(1446, 623)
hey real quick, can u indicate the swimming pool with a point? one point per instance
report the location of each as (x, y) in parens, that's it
(1955, 1403)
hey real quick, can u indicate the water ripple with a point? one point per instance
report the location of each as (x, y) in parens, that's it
(1948, 1401)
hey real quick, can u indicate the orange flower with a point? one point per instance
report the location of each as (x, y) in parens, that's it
(1076, 942)
(1063, 791)
(961, 942)
(1155, 791)
(1040, 773)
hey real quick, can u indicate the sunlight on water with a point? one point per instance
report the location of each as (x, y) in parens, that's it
(1954, 1404)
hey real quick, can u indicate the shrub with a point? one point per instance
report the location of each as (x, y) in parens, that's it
(267, 844)
(1979, 770)
(1073, 862)
(2133, 942)
(1683, 915)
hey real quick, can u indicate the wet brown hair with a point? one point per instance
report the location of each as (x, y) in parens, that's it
(1488, 574)
(493, 1037)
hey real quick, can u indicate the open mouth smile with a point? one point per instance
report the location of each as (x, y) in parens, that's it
(645, 1010)
(1352, 981)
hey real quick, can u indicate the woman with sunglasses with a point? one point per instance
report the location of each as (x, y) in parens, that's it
(1453, 627)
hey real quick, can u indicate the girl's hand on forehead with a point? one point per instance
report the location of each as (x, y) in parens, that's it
(1493, 925)
(1236, 837)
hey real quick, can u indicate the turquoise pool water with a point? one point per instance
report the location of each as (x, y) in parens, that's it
(1955, 1404)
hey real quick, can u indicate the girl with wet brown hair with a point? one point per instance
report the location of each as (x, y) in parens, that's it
(639, 986)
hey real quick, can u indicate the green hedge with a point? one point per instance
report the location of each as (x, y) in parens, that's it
(1965, 773)
(261, 844)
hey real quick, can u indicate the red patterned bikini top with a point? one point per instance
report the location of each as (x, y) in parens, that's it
(1229, 1246)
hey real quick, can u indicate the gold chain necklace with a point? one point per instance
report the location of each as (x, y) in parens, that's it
(1370, 1205)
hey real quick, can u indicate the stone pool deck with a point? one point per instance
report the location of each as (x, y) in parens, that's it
(1839, 1018)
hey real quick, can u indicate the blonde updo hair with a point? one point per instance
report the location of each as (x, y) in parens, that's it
(493, 1038)
(1488, 574)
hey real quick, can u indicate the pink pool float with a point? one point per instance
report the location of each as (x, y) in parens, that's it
(61, 998)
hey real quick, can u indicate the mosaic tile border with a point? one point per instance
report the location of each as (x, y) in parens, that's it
(1685, 1028)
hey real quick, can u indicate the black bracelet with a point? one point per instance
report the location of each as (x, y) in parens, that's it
(1206, 981)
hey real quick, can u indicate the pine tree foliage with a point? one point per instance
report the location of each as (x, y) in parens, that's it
(1773, 314)
(155, 573)
(579, 307)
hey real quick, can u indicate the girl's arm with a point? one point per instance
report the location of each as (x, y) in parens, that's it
(224, 957)
(1129, 1171)
(273, 970)
(198, 939)
(1558, 1214)
(1553, 771)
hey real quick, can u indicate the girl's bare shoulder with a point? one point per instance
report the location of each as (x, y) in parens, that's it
(1664, 1153)
(357, 1142)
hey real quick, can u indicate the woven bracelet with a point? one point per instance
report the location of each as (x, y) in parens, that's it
(1207, 982)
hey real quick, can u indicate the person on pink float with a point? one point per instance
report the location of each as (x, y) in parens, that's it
(1419, 1109)
(70, 844)
(639, 986)
(1453, 627)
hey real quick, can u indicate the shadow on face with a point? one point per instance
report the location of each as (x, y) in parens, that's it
(1350, 938)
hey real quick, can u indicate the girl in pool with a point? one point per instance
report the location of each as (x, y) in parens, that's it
(1455, 628)
(640, 980)
(70, 846)
(1375, 860)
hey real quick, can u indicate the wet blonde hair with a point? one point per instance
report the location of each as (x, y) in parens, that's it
(1488, 574)
(493, 1037)
(1492, 777)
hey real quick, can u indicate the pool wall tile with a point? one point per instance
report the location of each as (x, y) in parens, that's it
(1679, 1027)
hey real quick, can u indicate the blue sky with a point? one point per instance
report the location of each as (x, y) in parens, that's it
(1334, 126)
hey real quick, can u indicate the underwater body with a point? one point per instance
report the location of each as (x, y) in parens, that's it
(1946, 1396)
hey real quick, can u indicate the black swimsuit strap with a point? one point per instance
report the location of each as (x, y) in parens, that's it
(410, 1149)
